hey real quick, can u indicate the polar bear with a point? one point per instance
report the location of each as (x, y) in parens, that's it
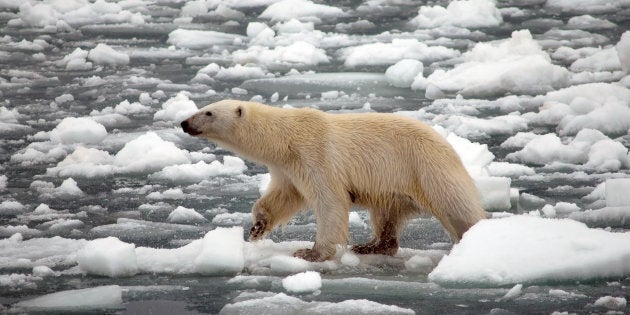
(394, 166)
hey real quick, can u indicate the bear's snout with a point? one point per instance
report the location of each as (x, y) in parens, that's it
(188, 129)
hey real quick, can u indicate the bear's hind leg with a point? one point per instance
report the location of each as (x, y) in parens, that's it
(383, 243)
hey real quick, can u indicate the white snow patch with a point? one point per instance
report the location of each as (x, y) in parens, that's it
(403, 72)
(193, 173)
(611, 302)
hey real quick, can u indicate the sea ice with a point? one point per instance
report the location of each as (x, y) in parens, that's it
(103, 54)
(623, 51)
(176, 109)
(525, 249)
(494, 192)
(78, 130)
(197, 39)
(284, 304)
(390, 53)
(617, 192)
(76, 300)
(289, 9)
(517, 65)
(611, 302)
(299, 53)
(403, 72)
(194, 173)
(222, 252)
(185, 215)
(466, 13)
(304, 282)
(108, 257)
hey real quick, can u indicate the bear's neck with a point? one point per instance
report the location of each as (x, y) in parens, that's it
(265, 140)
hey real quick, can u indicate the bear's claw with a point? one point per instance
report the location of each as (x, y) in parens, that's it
(309, 255)
(258, 230)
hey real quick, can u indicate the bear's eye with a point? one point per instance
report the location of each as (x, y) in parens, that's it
(208, 113)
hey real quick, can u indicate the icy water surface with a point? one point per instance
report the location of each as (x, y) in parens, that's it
(532, 94)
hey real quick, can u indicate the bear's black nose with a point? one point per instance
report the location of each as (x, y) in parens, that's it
(188, 129)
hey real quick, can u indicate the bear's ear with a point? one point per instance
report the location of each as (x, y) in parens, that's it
(239, 111)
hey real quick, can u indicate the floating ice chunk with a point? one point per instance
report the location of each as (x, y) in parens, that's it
(185, 215)
(76, 300)
(196, 39)
(192, 173)
(3, 182)
(284, 304)
(68, 190)
(610, 302)
(294, 26)
(172, 193)
(38, 251)
(617, 192)
(43, 271)
(229, 219)
(603, 60)
(103, 54)
(588, 22)
(590, 6)
(525, 249)
(62, 14)
(494, 192)
(295, 54)
(590, 91)
(390, 53)
(304, 282)
(222, 252)
(615, 217)
(149, 152)
(350, 259)
(506, 169)
(517, 65)
(472, 127)
(108, 257)
(403, 72)
(420, 264)
(64, 98)
(466, 13)
(623, 51)
(546, 149)
(354, 220)
(176, 109)
(16, 281)
(239, 72)
(78, 130)
(11, 207)
(84, 162)
(289, 9)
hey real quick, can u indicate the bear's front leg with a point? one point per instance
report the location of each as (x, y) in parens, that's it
(260, 228)
(331, 213)
(279, 204)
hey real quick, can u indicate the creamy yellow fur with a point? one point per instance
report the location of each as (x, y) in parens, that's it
(394, 166)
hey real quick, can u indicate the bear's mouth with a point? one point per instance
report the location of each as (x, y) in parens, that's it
(190, 130)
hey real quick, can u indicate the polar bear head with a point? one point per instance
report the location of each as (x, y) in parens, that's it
(216, 121)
